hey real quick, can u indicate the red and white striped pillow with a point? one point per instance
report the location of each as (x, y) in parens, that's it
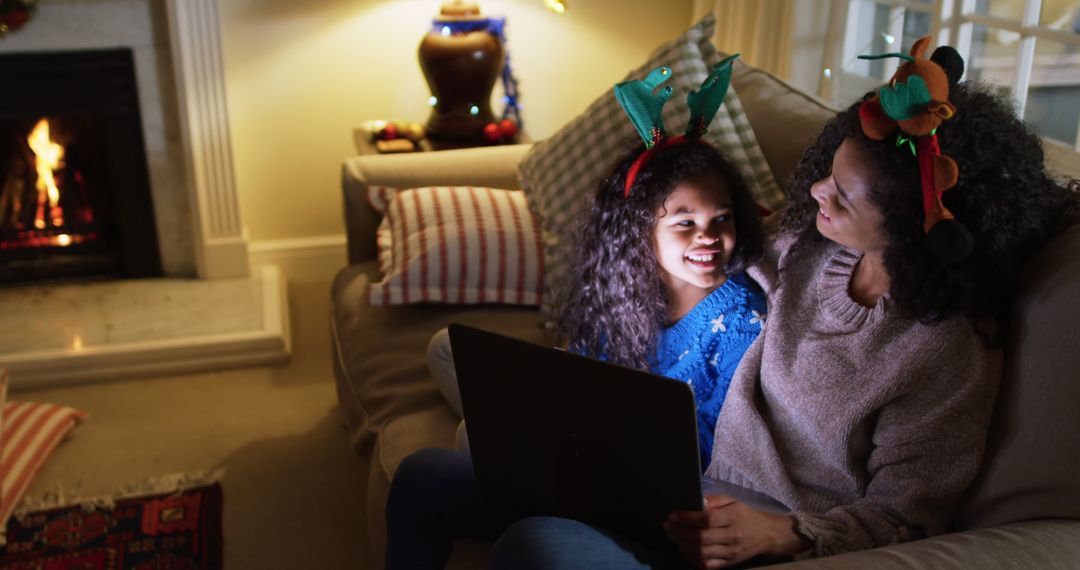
(30, 434)
(448, 244)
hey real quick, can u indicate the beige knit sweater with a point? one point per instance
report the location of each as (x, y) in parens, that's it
(867, 425)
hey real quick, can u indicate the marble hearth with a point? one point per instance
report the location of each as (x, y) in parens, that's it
(76, 332)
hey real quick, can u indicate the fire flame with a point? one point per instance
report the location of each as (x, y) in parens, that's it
(50, 156)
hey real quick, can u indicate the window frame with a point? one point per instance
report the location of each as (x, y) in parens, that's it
(951, 23)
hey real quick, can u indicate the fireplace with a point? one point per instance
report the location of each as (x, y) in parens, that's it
(75, 197)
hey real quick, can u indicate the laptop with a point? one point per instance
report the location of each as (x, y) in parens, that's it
(561, 434)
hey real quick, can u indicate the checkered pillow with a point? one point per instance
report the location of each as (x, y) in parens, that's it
(561, 173)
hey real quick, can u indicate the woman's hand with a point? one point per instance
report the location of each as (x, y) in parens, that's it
(728, 532)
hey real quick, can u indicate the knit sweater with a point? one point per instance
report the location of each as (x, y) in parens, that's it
(867, 425)
(705, 346)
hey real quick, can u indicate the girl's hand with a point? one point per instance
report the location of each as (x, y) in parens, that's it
(728, 532)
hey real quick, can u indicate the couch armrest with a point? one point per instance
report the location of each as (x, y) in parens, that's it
(495, 167)
(1045, 544)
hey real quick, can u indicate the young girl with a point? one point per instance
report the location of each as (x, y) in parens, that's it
(658, 286)
(658, 282)
(658, 279)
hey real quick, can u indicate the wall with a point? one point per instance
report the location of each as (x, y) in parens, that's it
(302, 75)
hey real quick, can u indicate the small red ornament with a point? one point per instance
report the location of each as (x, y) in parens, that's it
(17, 18)
(492, 132)
(508, 128)
(389, 132)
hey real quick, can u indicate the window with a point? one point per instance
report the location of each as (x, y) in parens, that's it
(1029, 49)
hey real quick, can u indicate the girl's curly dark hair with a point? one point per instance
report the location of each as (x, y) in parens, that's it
(1004, 197)
(617, 304)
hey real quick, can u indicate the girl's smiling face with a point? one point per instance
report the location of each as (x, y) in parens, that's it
(694, 237)
(845, 213)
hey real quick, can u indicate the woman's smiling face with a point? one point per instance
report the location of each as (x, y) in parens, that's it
(845, 213)
(694, 236)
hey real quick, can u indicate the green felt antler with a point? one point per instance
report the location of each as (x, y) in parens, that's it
(643, 107)
(705, 101)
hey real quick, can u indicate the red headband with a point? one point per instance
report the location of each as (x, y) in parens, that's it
(644, 157)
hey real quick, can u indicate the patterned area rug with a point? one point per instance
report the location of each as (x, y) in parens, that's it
(175, 530)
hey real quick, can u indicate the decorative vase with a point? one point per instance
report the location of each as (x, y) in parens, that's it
(461, 59)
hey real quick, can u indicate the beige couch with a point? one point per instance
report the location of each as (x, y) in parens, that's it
(1026, 492)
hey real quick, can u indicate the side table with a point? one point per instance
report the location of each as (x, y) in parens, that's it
(364, 145)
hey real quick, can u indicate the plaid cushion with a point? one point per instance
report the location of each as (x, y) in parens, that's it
(561, 173)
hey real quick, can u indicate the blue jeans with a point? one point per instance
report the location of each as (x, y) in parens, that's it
(434, 498)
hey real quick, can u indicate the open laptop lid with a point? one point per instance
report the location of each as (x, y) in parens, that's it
(566, 435)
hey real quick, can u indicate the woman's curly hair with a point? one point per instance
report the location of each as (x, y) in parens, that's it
(617, 304)
(1004, 197)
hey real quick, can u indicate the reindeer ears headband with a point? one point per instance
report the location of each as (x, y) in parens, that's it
(645, 108)
(915, 102)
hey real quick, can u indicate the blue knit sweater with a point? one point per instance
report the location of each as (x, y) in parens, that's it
(704, 348)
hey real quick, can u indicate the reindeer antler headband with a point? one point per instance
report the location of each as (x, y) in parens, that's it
(645, 108)
(916, 102)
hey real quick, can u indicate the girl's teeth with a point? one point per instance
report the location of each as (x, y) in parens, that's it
(702, 258)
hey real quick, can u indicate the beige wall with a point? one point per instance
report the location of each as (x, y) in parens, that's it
(302, 75)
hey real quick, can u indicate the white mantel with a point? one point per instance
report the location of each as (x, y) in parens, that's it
(220, 245)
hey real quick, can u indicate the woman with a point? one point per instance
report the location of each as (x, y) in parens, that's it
(866, 408)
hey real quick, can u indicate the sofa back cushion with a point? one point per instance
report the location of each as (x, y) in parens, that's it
(785, 120)
(1031, 469)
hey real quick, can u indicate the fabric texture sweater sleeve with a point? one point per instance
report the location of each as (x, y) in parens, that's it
(866, 424)
(927, 443)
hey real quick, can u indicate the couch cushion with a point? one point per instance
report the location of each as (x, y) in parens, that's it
(560, 174)
(1030, 470)
(1044, 545)
(785, 120)
(391, 405)
(380, 365)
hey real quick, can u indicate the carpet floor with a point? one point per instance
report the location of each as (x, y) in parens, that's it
(293, 489)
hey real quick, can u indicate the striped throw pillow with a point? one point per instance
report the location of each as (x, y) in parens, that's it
(560, 174)
(379, 196)
(463, 245)
(30, 434)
